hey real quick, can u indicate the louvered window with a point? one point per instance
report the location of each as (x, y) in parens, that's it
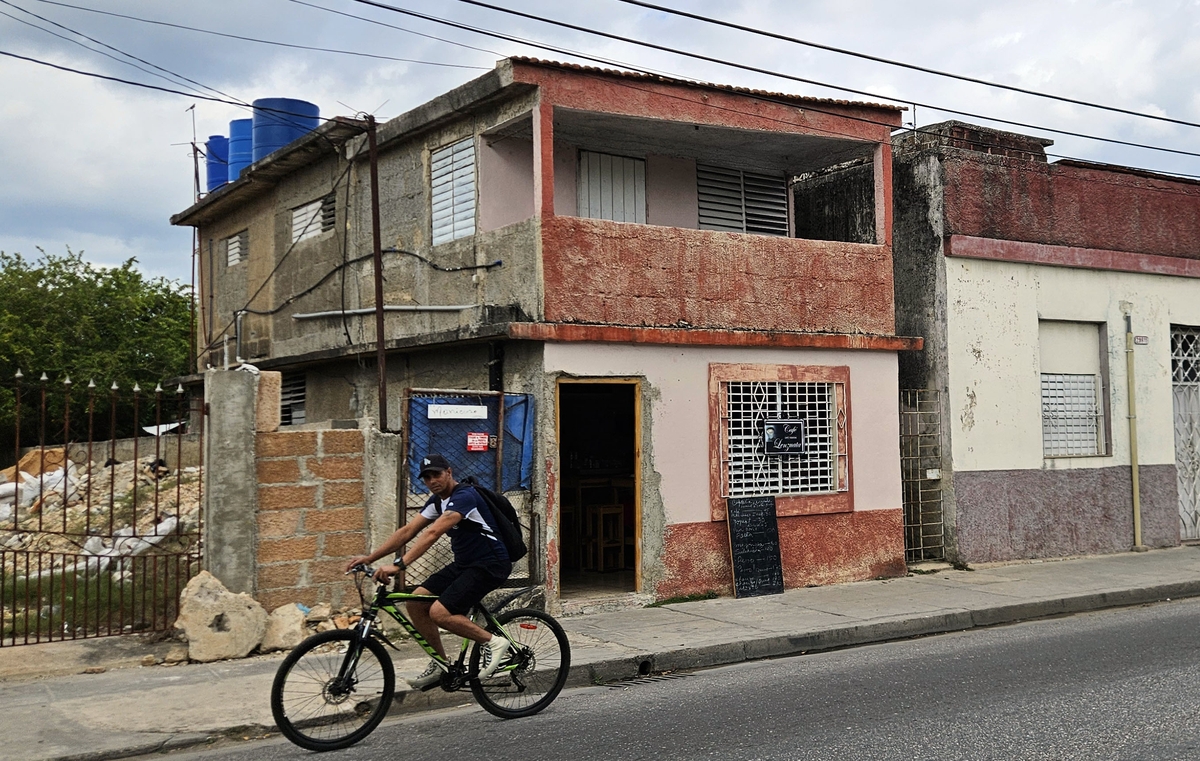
(742, 202)
(237, 248)
(453, 191)
(612, 187)
(748, 469)
(312, 219)
(291, 400)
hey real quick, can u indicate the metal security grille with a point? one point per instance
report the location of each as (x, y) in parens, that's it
(291, 399)
(737, 201)
(237, 248)
(470, 438)
(1071, 422)
(612, 187)
(312, 219)
(452, 182)
(921, 475)
(1185, 374)
(100, 520)
(748, 470)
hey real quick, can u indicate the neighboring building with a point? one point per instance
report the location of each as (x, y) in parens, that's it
(625, 250)
(1019, 274)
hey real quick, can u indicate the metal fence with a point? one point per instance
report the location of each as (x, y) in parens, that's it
(487, 435)
(921, 475)
(100, 518)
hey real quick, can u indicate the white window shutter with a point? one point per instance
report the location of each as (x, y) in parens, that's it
(452, 195)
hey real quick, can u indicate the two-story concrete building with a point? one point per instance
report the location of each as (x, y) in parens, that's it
(625, 250)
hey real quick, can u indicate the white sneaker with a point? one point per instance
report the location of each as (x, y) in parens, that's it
(493, 654)
(429, 677)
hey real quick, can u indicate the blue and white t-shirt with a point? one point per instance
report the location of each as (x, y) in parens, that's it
(469, 546)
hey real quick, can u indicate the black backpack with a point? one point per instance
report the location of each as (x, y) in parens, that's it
(504, 515)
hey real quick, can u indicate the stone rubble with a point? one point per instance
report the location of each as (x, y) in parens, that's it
(219, 624)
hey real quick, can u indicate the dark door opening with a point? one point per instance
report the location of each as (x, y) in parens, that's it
(599, 517)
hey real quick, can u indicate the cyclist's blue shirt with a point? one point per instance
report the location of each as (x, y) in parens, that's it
(469, 546)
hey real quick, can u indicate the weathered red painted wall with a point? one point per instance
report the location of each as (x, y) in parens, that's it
(589, 90)
(622, 274)
(816, 550)
(1086, 207)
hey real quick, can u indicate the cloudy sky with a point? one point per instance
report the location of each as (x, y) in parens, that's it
(100, 166)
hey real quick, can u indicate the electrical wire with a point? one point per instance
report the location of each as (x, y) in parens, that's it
(904, 65)
(769, 72)
(277, 43)
(177, 76)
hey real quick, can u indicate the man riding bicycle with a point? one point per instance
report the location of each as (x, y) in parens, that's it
(481, 564)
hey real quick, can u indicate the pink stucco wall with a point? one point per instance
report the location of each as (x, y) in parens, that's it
(505, 182)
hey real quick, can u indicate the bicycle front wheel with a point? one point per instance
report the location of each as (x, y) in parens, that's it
(330, 692)
(534, 670)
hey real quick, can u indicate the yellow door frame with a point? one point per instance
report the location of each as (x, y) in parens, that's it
(637, 460)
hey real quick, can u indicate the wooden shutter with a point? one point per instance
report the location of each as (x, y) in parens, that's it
(612, 187)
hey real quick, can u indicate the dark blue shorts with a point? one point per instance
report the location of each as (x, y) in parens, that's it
(459, 587)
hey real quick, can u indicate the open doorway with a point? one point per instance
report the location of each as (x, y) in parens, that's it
(598, 456)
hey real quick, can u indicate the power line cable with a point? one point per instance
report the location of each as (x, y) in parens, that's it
(176, 75)
(783, 100)
(904, 65)
(781, 75)
(277, 43)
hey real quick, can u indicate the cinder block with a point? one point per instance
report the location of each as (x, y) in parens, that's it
(280, 550)
(347, 545)
(335, 468)
(277, 576)
(342, 493)
(286, 444)
(328, 572)
(341, 442)
(267, 412)
(278, 471)
(279, 523)
(341, 519)
(272, 599)
(286, 497)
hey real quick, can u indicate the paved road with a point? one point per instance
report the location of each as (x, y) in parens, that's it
(1121, 684)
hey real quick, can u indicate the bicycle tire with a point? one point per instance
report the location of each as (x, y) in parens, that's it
(314, 712)
(542, 657)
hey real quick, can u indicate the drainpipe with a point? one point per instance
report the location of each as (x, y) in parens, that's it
(1127, 308)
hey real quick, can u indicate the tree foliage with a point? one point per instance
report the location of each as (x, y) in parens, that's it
(63, 316)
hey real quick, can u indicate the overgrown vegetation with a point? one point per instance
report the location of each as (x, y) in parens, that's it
(63, 316)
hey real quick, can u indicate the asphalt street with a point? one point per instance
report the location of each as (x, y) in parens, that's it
(1117, 684)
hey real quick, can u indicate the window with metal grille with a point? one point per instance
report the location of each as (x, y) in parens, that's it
(452, 183)
(291, 400)
(312, 219)
(1072, 420)
(1185, 355)
(612, 187)
(237, 248)
(741, 202)
(747, 468)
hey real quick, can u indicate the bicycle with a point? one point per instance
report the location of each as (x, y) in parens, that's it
(336, 686)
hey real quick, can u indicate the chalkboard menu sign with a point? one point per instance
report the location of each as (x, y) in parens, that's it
(754, 546)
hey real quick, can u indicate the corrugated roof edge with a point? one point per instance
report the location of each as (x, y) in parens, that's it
(697, 83)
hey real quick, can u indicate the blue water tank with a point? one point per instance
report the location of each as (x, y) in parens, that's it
(216, 161)
(279, 121)
(241, 146)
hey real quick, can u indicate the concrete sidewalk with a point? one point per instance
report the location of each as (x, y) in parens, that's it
(129, 711)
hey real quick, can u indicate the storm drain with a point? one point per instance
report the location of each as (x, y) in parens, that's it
(625, 684)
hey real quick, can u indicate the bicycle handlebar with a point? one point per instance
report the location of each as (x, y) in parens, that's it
(361, 568)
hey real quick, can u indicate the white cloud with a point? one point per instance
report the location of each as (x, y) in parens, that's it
(98, 166)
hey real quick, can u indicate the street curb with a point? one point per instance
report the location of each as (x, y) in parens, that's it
(639, 664)
(780, 646)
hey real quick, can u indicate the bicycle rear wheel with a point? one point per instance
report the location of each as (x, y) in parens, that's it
(318, 710)
(540, 661)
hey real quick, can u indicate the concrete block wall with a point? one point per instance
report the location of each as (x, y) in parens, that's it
(311, 517)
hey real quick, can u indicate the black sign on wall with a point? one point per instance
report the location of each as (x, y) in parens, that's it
(754, 546)
(783, 437)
